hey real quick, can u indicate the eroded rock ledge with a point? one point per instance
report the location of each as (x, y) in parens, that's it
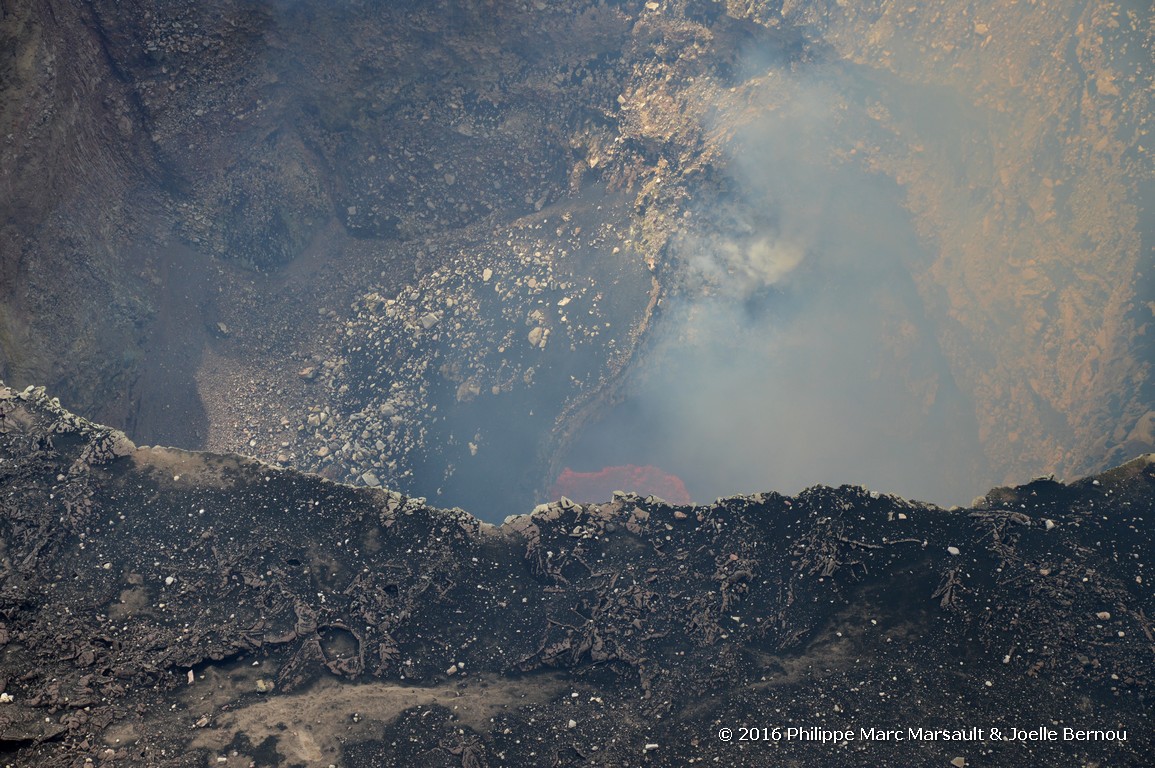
(166, 608)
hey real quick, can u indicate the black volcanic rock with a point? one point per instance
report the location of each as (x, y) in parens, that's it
(161, 607)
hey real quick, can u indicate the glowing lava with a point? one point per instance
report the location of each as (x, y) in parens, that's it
(591, 487)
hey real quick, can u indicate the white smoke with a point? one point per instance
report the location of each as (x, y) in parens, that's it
(796, 349)
(740, 267)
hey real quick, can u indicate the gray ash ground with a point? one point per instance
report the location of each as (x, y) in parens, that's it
(166, 608)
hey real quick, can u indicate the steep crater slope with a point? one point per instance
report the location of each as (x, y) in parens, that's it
(265, 228)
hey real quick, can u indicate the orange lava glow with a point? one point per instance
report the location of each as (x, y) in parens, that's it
(592, 487)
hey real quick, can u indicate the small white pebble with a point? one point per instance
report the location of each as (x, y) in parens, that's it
(954, 551)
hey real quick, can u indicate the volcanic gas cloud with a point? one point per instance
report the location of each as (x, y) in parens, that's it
(591, 487)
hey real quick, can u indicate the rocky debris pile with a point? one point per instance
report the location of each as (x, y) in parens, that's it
(165, 608)
(532, 317)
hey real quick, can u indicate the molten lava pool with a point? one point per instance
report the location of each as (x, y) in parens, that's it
(592, 487)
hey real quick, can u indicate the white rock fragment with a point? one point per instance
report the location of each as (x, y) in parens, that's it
(955, 551)
(486, 274)
(452, 670)
(1103, 616)
(571, 724)
(651, 747)
(6, 698)
(169, 581)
